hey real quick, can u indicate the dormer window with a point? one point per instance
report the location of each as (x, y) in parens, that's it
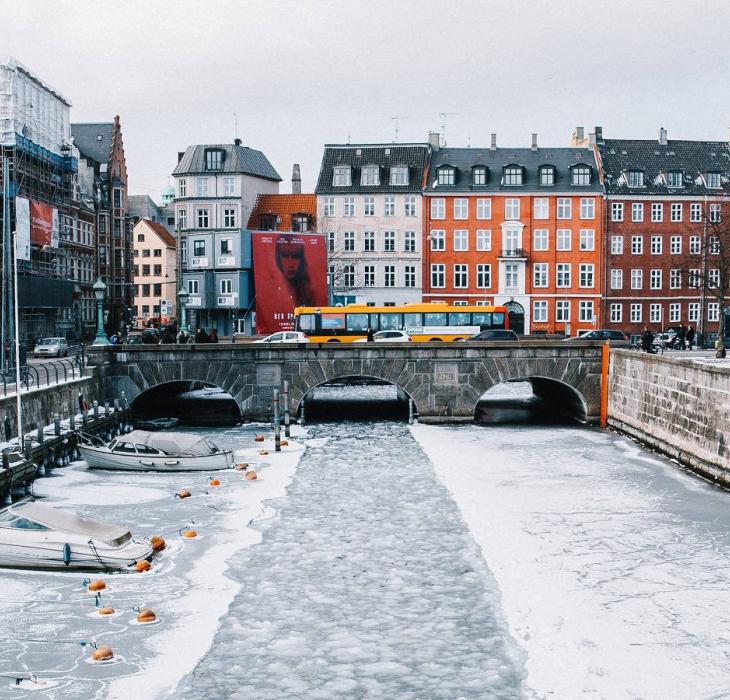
(370, 175)
(300, 223)
(636, 178)
(513, 175)
(213, 159)
(446, 175)
(342, 176)
(674, 178)
(713, 179)
(479, 175)
(581, 175)
(399, 175)
(547, 175)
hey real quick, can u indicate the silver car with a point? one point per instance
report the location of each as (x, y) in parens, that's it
(51, 347)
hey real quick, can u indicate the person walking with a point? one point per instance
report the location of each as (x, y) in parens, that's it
(370, 335)
(201, 336)
(647, 341)
(681, 334)
(213, 337)
(690, 337)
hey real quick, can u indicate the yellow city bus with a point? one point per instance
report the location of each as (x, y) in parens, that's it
(423, 322)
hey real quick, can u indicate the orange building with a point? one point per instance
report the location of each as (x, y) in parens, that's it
(284, 212)
(519, 227)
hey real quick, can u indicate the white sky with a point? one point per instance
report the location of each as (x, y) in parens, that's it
(300, 74)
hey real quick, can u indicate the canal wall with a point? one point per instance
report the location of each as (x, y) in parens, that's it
(675, 405)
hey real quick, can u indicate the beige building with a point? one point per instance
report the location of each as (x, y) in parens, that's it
(155, 281)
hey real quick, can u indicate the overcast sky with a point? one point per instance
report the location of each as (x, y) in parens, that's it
(301, 74)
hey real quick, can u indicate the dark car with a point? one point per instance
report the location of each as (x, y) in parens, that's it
(495, 334)
(602, 334)
(150, 336)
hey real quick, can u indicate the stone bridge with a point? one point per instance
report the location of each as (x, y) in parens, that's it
(444, 381)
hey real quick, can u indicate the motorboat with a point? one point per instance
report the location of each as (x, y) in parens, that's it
(156, 423)
(36, 536)
(146, 451)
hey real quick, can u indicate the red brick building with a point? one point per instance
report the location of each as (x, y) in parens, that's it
(284, 212)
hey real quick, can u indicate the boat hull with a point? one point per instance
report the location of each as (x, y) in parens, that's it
(102, 458)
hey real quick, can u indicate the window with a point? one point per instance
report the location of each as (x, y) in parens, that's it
(409, 242)
(616, 313)
(655, 279)
(484, 240)
(695, 212)
(586, 275)
(562, 275)
(693, 312)
(713, 278)
(226, 246)
(399, 175)
(369, 276)
(637, 245)
(563, 208)
(587, 208)
(540, 275)
(213, 159)
(617, 211)
(199, 249)
(695, 243)
(182, 187)
(617, 278)
(657, 212)
(226, 286)
(389, 275)
(389, 207)
(369, 241)
(693, 278)
(370, 175)
(675, 312)
(229, 218)
(617, 245)
(511, 276)
(547, 175)
(446, 176)
(484, 276)
(637, 211)
(229, 186)
(563, 239)
(145, 290)
(540, 208)
(193, 287)
(461, 276)
(540, 239)
(389, 241)
(713, 311)
(655, 245)
(461, 240)
(513, 175)
(587, 239)
(331, 241)
(349, 239)
(637, 278)
(145, 253)
(461, 208)
(348, 275)
(438, 208)
(438, 275)
(479, 176)
(329, 206)
(539, 311)
(676, 211)
(562, 311)
(585, 311)
(636, 178)
(157, 270)
(438, 240)
(715, 213)
(409, 204)
(484, 208)
(158, 252)
(410, 275)
(635, 313)
(655, 313)
(581, 175)
(348, 206)
(369, 206)
(674, 178)
(203, 219)
(202, 184)
(713, 179)
(511, 209)
(713, 245)
(675, 279)
(342, 176)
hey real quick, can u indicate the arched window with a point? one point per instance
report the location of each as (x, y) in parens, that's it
(547, 175)
(581, 175)
(513, 175)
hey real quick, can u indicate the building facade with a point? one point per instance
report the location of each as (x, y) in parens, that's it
(284, 212)
(519, 227)
(369, 205)
(155, 274)
(216, 187)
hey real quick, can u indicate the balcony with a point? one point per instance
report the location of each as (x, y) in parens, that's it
(513, 254)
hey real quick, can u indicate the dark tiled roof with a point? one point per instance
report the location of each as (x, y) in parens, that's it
(236, 159)
(415, 156)
(464, 159)
(693, 158)
(86, 138)
(284, 206)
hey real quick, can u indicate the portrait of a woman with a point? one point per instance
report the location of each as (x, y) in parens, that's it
(291, 261)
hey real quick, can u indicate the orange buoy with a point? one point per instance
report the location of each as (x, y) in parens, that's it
(183, 494)
(97, 585)
(215, 482)
(189, 534)
(285, 443)
(259, 438)
(263, 452)
(102, 653)
(146, 615)
(143, 565)
(242, 466)
(105, 611)
(251, 475)
(158, 543)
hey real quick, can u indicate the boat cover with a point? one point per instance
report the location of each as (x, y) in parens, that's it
(62, 521)
(172, 443)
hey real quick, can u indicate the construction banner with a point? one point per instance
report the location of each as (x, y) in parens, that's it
(290, 270)
(43, 225)
(22, 228)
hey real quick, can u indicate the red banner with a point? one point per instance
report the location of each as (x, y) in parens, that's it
(43, 225)
(290, 269)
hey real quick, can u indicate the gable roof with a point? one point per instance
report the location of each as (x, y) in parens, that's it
(284, 206)
(165, 236)
(693, 158)
(236, 159)
(88, 141)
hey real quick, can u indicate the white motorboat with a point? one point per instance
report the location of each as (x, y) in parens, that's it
(36, 536)
(146, 451)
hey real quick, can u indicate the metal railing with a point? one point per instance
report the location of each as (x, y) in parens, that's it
(30, 375)
(513, 253)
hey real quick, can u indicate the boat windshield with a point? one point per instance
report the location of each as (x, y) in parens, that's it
(14, 522)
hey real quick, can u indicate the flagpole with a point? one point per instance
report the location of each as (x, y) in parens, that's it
(17, 342)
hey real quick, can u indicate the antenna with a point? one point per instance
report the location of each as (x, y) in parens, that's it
(397, 124)
(443, 116)
(235, 122)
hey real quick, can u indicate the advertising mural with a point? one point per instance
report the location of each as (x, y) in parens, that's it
(43, 225)
(22, 228)
(290, 270)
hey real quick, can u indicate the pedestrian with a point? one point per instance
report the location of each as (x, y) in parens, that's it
(647, 341)
(81, 402)
(690, 337)
(371, 335)
(681, 334)
(201, 336)
(183, 338)
(213, 337)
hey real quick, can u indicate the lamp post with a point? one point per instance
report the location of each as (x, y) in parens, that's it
(99, 291)
(183, 295)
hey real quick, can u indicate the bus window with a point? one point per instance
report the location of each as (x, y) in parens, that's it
(430, 319)
(335, 322)
(375, 322)
(413, 320)
(498, 319)
(306, 323)
(391, 322)
(482, 319)
(357, 322)
(460, 319)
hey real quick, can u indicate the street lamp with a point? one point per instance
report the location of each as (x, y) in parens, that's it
(99, 290)
(183, 295)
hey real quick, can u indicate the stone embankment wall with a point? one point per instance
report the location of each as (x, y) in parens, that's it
(676, 405)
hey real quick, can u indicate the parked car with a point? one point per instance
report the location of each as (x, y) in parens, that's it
(284, 337)
(388, 337)
(602, 334)
(496, 334)
(51, 347)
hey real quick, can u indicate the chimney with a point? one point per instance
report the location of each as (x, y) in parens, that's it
(493, 147)
(578, 138)
(434, 140)
(592, 138)
(662, 136)
(599, 134)
(236, 142)
(180, 155)
(296, 180)
(534, 143)
(579, 133)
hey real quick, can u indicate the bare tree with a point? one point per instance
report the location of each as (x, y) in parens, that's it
(342, 267)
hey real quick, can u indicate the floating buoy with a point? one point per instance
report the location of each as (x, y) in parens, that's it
(242, 466)
(67, 554)
(146, 615)
(251, 475)
(263, 452)
(158, 543)
(97, 585)
(259, 438)
(103, 653)
(215, 482)
(106, 611)
(284, 443)
(183, 494)
(143, 565)
(189, 534)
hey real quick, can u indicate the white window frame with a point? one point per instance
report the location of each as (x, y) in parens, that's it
(348, 206)
(484, 276)
(657, 212)
(675, 245)
(399, 175)
(635, 313)
(693, 312)
(461, 208)
(656, 245)
(616, 312)
(562, 311)
(564, 208)
(409, 242)
(370, 176)
(461, 240)
(587, 208)
(617, 211)
(229, 186)
(587, 239)
(655, 313)
(637, 278)
(563, 239)
(539, 311)
(409, 205)
(675, 312)
(617, 245)
(617, 278)
(637, 212)
(389, 205)
(655, 278)
(541, 208)
(695, 212)
(368, 205)
(484, 239)
(438, 208)
(563, 275)
(586, 310)
(461, 276)
(341, 176)
(328, 206)
(437, 239)
(201, 186)
(675, 279)
(540, 275)
(637, 245)
(225, 285)
(511, 209)
(541, 239)
(438, 273)
(587, 275)
(676, 212)
(484, 208)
